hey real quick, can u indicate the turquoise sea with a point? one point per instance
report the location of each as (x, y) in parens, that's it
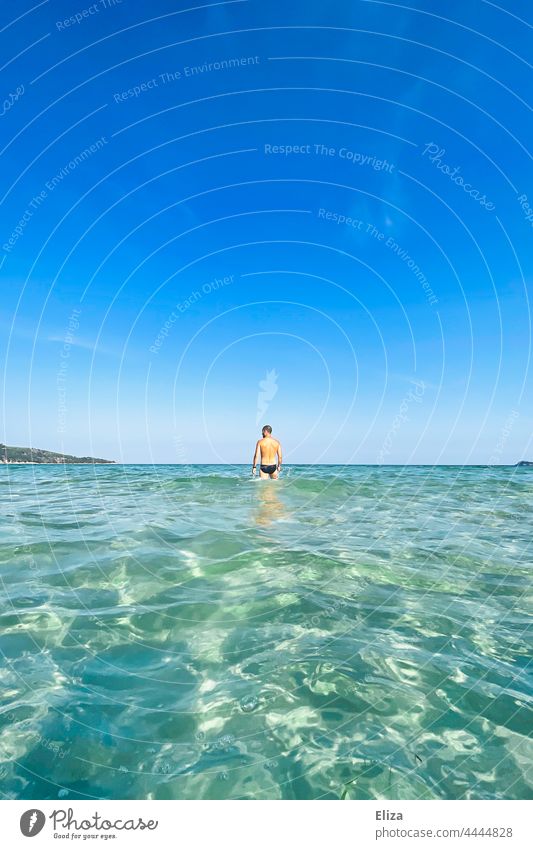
(174, 632)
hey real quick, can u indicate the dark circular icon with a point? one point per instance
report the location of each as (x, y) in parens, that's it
(32, 822)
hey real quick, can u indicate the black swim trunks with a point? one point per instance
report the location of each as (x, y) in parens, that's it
(268, 470)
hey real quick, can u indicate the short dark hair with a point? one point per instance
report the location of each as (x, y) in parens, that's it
(267, 428)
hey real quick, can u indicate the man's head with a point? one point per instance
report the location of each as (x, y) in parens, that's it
(267, 430)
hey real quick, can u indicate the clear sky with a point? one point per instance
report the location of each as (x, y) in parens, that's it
(314, 215)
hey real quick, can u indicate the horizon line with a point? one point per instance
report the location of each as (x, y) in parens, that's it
(285, 465)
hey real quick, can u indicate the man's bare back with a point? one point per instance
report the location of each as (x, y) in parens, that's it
(268, 450)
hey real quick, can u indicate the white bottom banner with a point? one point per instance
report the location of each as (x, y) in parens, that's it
(262, 825)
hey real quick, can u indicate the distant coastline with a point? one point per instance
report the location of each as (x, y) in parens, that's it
(15, 456)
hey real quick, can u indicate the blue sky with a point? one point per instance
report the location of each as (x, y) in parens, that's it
(245, 211)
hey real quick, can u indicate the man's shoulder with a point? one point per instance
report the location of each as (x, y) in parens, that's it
(268, 440)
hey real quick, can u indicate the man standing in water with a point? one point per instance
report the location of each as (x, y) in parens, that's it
(268, 449)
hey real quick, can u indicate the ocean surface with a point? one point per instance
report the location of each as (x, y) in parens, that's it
(172, 632)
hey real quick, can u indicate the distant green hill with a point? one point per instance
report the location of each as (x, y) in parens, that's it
(11, 454)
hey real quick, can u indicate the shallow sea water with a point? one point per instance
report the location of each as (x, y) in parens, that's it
(188, 632)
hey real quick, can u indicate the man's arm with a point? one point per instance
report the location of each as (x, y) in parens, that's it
(257, 455)
(280, 457)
